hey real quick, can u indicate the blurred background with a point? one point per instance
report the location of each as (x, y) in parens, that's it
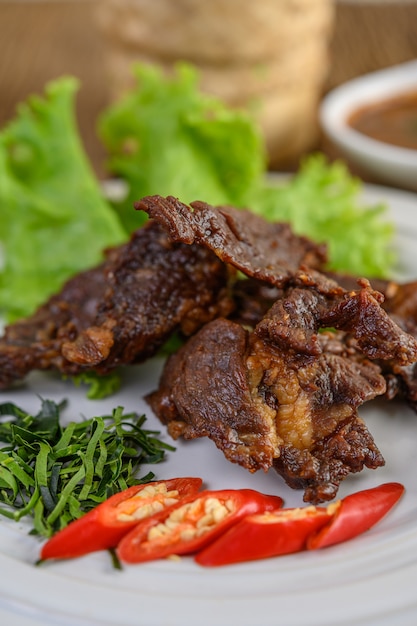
(277, 56)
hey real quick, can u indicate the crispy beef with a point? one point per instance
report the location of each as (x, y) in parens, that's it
(286, 395)
(269, 252)
(204, 391)
(122, 311)
(401, 305)
(400, 302)
(156, 287)
(253, 299)
(35, 342)
(327, 304)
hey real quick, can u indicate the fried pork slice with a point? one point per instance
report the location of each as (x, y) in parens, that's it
(270, 252)
(286, 395)
(120, 312)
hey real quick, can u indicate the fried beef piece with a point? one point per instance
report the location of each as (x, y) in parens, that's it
(204, 391)
(350, 282)
(272, 254)
(285, 395)
(121, 312)
(329, 305)
(401, 305)
(253, 299)
(269, 252)
(401, 300)
(35, 342)
(155, 287)
(401, 382)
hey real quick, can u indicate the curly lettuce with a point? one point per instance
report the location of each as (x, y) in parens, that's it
(323, 201)
(167, 137)
(54, 219)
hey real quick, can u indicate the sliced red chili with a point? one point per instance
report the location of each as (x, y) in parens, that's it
(357, 513)
(192, 524)
(105, 525)
(264, 535)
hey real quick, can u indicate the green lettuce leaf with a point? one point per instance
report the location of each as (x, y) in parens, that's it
(98, 386)
(323, 201)
(166, 137)
(54, 219)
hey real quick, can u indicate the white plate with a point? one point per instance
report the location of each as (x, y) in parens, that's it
(391, 164)
(369, 580)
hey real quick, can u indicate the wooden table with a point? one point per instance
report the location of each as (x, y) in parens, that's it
(40, 40)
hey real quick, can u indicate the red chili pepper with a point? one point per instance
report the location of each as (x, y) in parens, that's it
(105, 525)
(357, 513)
(193, 524)
(264, 535)
(291, 530)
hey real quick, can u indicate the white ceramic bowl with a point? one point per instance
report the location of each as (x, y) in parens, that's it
(387, 163)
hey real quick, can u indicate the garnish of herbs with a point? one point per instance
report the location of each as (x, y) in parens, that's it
(56, 473)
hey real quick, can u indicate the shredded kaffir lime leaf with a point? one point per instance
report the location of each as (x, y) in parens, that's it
(57, 473)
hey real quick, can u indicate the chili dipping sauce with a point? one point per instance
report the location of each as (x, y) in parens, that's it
(392, 121)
